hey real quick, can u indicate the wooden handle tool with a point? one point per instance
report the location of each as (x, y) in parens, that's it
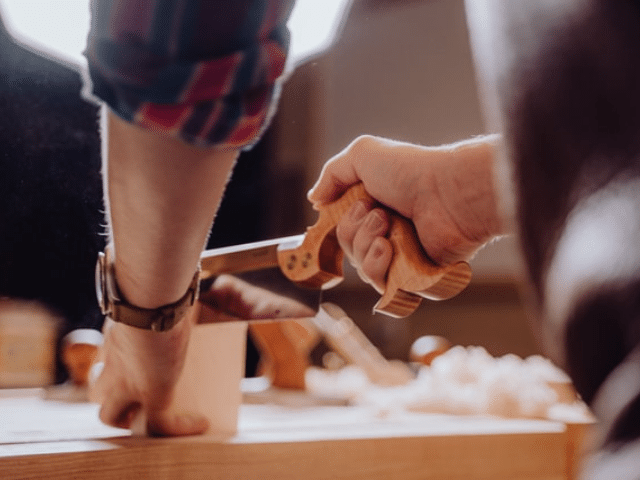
(317, 261)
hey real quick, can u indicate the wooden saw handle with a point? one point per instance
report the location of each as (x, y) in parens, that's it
(317, 262)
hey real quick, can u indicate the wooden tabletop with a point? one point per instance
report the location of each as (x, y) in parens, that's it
(41, 438)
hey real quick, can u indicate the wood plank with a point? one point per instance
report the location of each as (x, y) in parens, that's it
(516, 456)
(283, 443)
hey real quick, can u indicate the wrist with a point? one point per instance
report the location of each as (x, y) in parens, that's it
(469, 189)
(115, 306)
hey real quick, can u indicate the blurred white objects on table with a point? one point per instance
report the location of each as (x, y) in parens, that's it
(465, 381)
(426, 348)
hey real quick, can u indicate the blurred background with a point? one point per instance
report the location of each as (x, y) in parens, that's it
(395, 68)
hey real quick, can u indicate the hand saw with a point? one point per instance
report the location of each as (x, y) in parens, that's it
(314, 260)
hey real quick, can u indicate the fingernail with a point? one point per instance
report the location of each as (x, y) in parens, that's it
(358, 210)
(374, 221)
(377, 251)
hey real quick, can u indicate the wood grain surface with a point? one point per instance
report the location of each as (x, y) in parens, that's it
(40, 438)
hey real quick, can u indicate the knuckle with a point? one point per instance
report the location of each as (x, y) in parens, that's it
(369, 270)
(376, 222)
(104, 415)
(361, 244)
(362, 144)
(345, 234)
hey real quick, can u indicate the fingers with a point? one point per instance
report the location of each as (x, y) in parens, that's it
(361, 236)
(336, 176)
(375, 264)
(348, 226)
(123, 413)
(117, 407)
(345, 169)
(135, 380)
(373, 225)
(119, 412)
(168, 423)
(120, 409)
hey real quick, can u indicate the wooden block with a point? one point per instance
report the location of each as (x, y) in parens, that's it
(28, 334)
(213, 370)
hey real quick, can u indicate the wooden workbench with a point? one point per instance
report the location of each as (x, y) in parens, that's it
(49, 439)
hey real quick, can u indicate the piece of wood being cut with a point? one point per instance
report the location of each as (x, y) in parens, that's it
(213, 370)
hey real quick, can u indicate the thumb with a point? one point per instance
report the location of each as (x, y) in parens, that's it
(176, 424)
(345, 168)
(330, 186)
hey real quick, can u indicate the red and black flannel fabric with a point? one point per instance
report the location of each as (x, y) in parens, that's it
(203, 71)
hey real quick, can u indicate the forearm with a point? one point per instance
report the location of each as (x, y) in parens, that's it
(224, 60)
(162, 197)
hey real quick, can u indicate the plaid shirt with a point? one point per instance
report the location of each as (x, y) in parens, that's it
(204, 71)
